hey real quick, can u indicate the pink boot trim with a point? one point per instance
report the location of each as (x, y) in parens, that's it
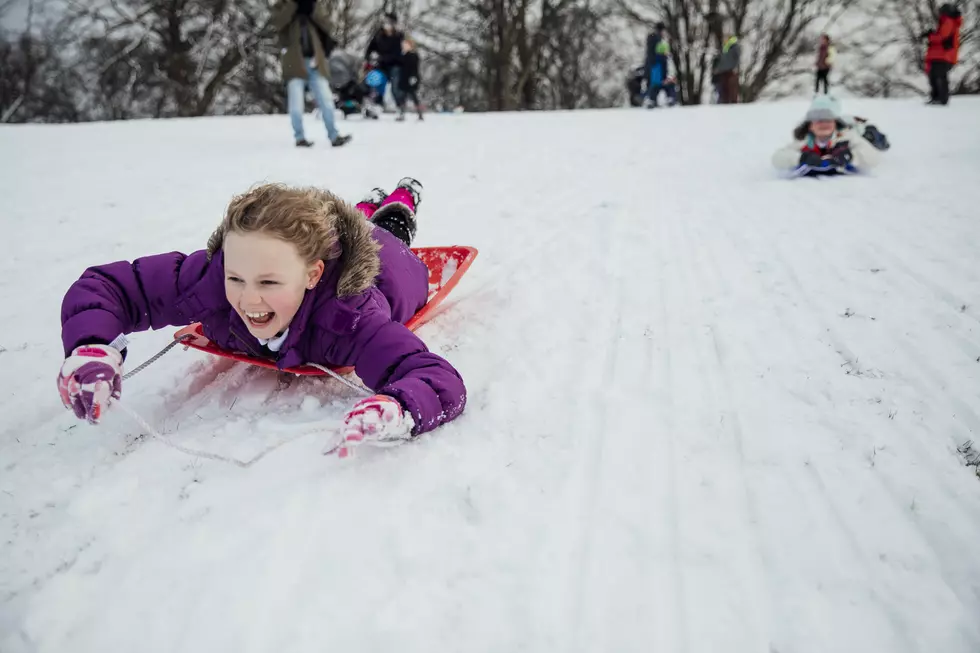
(368, 209)
(400, 196)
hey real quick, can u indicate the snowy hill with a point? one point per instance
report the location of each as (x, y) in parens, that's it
(709, 409)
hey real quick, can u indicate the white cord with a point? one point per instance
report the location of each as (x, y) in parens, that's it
(244, 464)
(350, 384)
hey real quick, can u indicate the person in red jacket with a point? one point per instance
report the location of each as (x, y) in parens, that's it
(944, 48)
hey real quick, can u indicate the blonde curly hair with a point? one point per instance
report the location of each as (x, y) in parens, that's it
(318, 223)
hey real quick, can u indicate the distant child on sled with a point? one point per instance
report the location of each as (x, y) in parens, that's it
(291, 274)
(824, 144)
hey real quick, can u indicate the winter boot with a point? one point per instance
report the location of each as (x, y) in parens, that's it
(397, 212)
(370, 202)
(341, 141)
(304, 143)
(414, 187)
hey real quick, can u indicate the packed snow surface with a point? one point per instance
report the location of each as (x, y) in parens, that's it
(709, 409)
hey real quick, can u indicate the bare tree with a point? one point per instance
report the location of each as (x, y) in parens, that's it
(18, 65)
(771, 32)
(35, 81)
(578, 56)
(517, 54)
(181, 53)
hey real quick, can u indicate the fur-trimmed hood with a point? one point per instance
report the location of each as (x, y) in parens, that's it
(359, 261)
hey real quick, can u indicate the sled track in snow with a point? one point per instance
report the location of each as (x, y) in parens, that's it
(888, 491)
(644, 560)
(689, 491)
(750, 570)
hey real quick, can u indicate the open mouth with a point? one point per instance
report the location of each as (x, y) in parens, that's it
(259, 320)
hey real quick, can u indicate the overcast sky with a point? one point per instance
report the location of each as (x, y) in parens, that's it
(16, 14)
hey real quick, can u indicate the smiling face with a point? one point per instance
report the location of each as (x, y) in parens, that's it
(823, 129)
(266, 280)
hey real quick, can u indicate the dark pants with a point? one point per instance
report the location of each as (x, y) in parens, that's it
(939, 81)
(822, 77)
(728, 87)
(394, 74)
(413, 95)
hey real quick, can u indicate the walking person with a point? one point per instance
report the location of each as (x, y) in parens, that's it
(306, 45)
(387, 46)
(825, 62)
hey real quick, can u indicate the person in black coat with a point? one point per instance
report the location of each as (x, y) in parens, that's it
(387, 45)
(410, 79)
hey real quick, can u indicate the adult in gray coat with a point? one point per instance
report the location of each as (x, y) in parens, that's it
(306, 44)
(727, 69)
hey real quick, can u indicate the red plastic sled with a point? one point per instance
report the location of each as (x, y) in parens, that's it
(446, 267)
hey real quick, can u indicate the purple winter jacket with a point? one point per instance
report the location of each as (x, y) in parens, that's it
(365, 330)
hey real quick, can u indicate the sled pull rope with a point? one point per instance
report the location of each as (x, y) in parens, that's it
(360, 389)
(196, 453)
(136, 417)
(160, 354)
(241, 464)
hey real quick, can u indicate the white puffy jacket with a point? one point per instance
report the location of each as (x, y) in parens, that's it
(865, 156)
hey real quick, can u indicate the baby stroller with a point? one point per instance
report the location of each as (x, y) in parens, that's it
(349, 91)
(636, 85)
(375, 85)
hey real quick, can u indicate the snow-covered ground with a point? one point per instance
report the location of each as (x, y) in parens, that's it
(709, 409)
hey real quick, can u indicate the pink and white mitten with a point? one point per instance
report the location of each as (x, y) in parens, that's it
(90, 379)
(378, 421)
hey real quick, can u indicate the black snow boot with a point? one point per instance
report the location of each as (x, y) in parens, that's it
(399, 218)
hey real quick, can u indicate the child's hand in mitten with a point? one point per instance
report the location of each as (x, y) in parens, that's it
(841, 154)
(90, 379)
(811, 159)
(379, 421)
